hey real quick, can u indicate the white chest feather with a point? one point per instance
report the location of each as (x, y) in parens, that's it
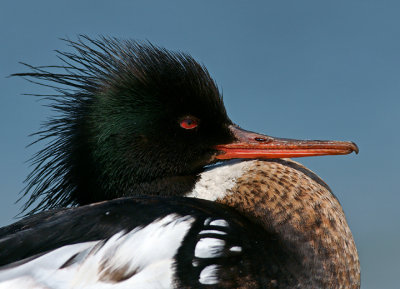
(217, 181)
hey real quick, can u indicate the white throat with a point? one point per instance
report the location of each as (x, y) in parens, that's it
(217, 181)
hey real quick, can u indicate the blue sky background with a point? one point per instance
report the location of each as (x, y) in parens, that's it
(298, 69)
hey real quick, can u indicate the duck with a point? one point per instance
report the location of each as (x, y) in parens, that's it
(145, 182)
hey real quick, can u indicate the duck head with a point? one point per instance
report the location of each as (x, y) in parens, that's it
(138, 119)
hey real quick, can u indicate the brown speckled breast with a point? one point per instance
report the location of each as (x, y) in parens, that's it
(288, 199)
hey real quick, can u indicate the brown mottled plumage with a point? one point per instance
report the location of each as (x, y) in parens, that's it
(288, 199)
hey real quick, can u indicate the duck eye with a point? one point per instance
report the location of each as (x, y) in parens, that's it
(189, 122)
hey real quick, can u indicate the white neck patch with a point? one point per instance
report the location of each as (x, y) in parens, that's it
(217, 181)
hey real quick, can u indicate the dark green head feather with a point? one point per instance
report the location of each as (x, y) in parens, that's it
(117, 131)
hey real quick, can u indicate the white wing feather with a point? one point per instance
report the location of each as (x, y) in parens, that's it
(142, 258)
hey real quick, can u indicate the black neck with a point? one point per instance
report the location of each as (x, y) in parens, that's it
(167, 186)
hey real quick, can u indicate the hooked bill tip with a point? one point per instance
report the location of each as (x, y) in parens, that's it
(355, 148)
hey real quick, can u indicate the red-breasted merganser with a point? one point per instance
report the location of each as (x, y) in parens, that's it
(146, 183)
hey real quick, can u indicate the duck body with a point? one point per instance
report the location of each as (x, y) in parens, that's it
(149, 184)
(149, 252)
(181, 242)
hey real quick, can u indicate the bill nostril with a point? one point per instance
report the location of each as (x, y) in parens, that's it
(260, 139)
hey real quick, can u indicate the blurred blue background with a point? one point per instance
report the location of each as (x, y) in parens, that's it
(298, 69)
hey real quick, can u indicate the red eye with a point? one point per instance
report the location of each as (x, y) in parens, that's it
(189, 123)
